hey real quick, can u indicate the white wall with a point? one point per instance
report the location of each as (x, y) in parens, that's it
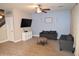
(60, 22)
(75, 27)
(18, 15)
(17, 21)
(3, 34)
(13, 19)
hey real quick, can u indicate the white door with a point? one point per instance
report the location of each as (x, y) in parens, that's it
(10, 28)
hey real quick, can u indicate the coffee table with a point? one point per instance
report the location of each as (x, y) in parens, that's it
(42, 40)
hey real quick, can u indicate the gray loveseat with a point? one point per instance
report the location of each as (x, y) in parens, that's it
(49, 34)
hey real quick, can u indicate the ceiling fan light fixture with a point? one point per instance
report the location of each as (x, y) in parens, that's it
(38, 10)
(1, 16)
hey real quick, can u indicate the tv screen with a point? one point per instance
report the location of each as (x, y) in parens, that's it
(26, 22)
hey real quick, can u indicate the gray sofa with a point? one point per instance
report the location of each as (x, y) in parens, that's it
(49, 34)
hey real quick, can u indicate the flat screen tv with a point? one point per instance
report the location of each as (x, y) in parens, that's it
(26, 22)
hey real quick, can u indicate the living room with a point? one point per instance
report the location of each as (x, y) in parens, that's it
(53, 17)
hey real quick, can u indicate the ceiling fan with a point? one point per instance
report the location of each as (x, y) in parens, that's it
(39, 9)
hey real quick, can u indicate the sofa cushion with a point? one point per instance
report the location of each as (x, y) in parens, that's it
(52, 32)
(45, 32)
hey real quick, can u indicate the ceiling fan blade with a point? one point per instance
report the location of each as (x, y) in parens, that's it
(45, 9)
(42, 10)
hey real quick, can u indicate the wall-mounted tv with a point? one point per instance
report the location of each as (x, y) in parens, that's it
(26, 22)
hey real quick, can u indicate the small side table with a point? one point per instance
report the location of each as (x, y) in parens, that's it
(26, 35)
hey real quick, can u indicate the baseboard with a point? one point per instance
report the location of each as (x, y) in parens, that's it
(4, 41)
(15, 41)
(36, 35)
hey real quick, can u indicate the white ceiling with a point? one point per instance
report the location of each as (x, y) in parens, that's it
(30, 7)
